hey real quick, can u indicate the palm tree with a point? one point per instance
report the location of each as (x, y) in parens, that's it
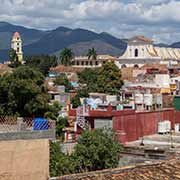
(66, 56)
(92, 54)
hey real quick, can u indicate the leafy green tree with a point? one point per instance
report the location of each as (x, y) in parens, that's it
(66, 56)
(60, 163)
(55, 156)
(89, 77)
(106, 79)
(61, 123)
(96, 150)
(92, 54)
(13, 57)
(53, 111)
(23, 92)
(75, 101)
(41, 62)
(109, 79)
(63, 80)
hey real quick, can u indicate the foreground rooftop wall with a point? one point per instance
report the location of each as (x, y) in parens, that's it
(24, 159)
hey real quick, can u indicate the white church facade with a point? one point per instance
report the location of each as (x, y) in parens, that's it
(140, 51)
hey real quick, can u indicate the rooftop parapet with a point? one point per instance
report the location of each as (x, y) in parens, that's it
(12, 128)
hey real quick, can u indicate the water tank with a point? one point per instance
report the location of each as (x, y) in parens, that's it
(158, 99)
(164, 127)
(168, 126)
(177, 127)
(161, 127)
(40, 124)
(148, 99)
(111, 98)
(139, 99)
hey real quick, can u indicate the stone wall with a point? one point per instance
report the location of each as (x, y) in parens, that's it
(24, 159)
(25, 135)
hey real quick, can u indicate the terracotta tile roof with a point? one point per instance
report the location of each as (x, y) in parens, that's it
(16, 34)
(162, 171)
(52, 88)
(63, 69)
(141, 38)
(4, 68)
(166, 170)
(156, 66)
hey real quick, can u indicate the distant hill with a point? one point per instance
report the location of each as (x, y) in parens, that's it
(162, 45)
(52, 42)
(175, 45)
(81, 48)
(28, 35)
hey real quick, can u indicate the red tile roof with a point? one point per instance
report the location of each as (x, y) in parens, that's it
(142, 38)
(166, 170)
(64, 69)
(16, 34)
(4, 68)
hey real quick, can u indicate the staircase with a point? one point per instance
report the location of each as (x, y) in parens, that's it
(80, 118)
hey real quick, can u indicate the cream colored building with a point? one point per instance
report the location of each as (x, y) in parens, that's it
(16, 44)
(140, 51)
(83, 61)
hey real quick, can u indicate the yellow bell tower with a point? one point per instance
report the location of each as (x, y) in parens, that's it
(16, 44)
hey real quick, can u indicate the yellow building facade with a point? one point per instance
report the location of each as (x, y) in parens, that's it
(16, 44)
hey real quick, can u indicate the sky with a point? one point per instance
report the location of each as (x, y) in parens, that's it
(156, 19)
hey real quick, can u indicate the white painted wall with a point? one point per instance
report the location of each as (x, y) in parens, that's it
(142, 51)
(163, 80)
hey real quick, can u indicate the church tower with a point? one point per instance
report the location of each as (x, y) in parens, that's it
(16, 44)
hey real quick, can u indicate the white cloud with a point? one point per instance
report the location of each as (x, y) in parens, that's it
(154, 18)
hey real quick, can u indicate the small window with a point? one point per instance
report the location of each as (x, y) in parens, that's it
(82, 63)
(136, 53)
(97, 63)
(123, 66)
(17, 44)
(17, 38)
(86, 63)
(18, 49)
(77, 63)
(91, 63)
(136, 66)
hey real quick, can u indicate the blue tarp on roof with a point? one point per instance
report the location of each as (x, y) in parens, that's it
(40, 124)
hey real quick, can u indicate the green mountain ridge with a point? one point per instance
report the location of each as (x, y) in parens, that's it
(37, 42)
(53, 41)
